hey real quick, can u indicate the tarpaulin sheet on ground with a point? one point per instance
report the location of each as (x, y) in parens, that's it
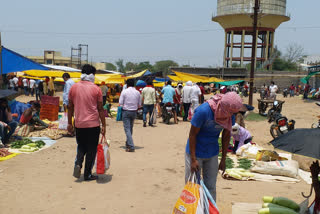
(14, 62)
(306, 79)
(196, 78)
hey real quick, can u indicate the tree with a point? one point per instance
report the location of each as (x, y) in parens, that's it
(236, 65)
(110, 66)
(144, 65)
(131, 66)
(294, 52)
(120, 65)
(164, 66)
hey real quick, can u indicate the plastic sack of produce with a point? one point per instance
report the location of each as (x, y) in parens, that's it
(119, 114)
(210, 206)
(22, 131)
(189, 201)
(103, 157)
(154, 116)
(63, 122)
(282, 168)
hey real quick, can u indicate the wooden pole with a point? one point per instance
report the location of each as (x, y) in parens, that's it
(254, 45)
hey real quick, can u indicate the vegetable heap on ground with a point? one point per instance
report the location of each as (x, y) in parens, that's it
(27, 145)
(4, 152)
(279, 205)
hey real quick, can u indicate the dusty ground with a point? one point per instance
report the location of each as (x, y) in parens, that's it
(147, 181)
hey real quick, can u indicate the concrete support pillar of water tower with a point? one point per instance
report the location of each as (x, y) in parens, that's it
(225, 50)
(231, 48)
(242, 47)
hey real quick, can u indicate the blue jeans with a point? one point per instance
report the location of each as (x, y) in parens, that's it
(147, 109)
(26, 91)
(37, 94)
(128, 119)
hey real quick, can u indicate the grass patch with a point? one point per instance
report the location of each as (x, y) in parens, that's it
(255, 117)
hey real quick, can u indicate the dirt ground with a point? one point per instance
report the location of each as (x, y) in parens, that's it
(147, 181)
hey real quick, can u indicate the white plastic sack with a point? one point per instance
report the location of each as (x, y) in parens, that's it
(288, 168)
(248, 151)
(63, 122)
(154, 116)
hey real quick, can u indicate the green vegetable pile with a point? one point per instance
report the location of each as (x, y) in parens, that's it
(26, 141)
(244, 163)
(229, 163)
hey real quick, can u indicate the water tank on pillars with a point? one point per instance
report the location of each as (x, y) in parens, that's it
(236, 17)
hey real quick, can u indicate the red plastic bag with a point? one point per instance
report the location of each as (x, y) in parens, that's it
(100, 161)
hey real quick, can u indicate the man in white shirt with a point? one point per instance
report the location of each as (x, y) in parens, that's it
(130, 101)
(15, 82)
(32, 86)
(195, 96)
(273, 90)
(25, 86)
(186, 99)
(11, 84)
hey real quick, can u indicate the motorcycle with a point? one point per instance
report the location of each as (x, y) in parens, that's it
(285, 92)
(140, 113)
(280, 124)
(167, 112)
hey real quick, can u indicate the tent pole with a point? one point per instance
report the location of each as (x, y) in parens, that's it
(1, 80)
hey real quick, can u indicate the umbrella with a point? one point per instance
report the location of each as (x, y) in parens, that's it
(304, 142)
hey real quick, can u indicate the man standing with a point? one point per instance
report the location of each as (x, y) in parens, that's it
(104, 90)
(306, 90)
(186, 99)
(292, 89)
(202, 93)
(25, 86)
(273, 90)
(32, 86)
(51, 86)
(168, 95)
(15, 82)
(195, 97)
(68, 82)
(202, 147)
(85, 104)
(130, 101)
(148, 97)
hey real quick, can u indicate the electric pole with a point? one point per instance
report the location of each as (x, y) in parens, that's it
(254, 46)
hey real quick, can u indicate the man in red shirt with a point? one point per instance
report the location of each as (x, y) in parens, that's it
(85, 104)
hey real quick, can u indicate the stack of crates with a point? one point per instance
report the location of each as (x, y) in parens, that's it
(49, 108)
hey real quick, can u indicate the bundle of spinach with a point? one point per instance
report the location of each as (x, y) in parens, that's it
(244, 163)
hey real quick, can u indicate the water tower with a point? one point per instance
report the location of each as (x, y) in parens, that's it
(236, 17)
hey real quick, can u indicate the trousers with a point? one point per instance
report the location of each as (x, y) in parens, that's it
(128, 119)
(147, 109)
(87, 140)
(186, 107)
(209, 169)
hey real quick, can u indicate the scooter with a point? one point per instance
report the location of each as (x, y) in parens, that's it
(280, 124)
(167, 112)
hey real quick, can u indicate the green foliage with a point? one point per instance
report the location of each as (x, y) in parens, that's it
(131, 66)
(144, 65)
(236, 65)
(164, 66)
(120, 65)
(110, 66)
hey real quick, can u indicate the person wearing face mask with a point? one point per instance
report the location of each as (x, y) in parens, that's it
(85, 105)
(30, 117)
(202, 148)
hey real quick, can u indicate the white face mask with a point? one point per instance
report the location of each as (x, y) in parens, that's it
(86, 77)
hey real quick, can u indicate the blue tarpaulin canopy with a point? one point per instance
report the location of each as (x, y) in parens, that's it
(161, 79)
(147, 73)
(227, 83)
(14, 62)
(141, 83)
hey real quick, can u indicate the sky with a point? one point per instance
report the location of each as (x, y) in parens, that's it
(141, 30)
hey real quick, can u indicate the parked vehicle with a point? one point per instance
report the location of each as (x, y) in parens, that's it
(316, 125)
(280, 124)
(140, 113)
(167, 112)
(285, 92)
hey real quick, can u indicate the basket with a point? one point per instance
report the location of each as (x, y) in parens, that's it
(45, 99)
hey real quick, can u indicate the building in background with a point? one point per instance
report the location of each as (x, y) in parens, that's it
(51, 57)
(236, 17)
